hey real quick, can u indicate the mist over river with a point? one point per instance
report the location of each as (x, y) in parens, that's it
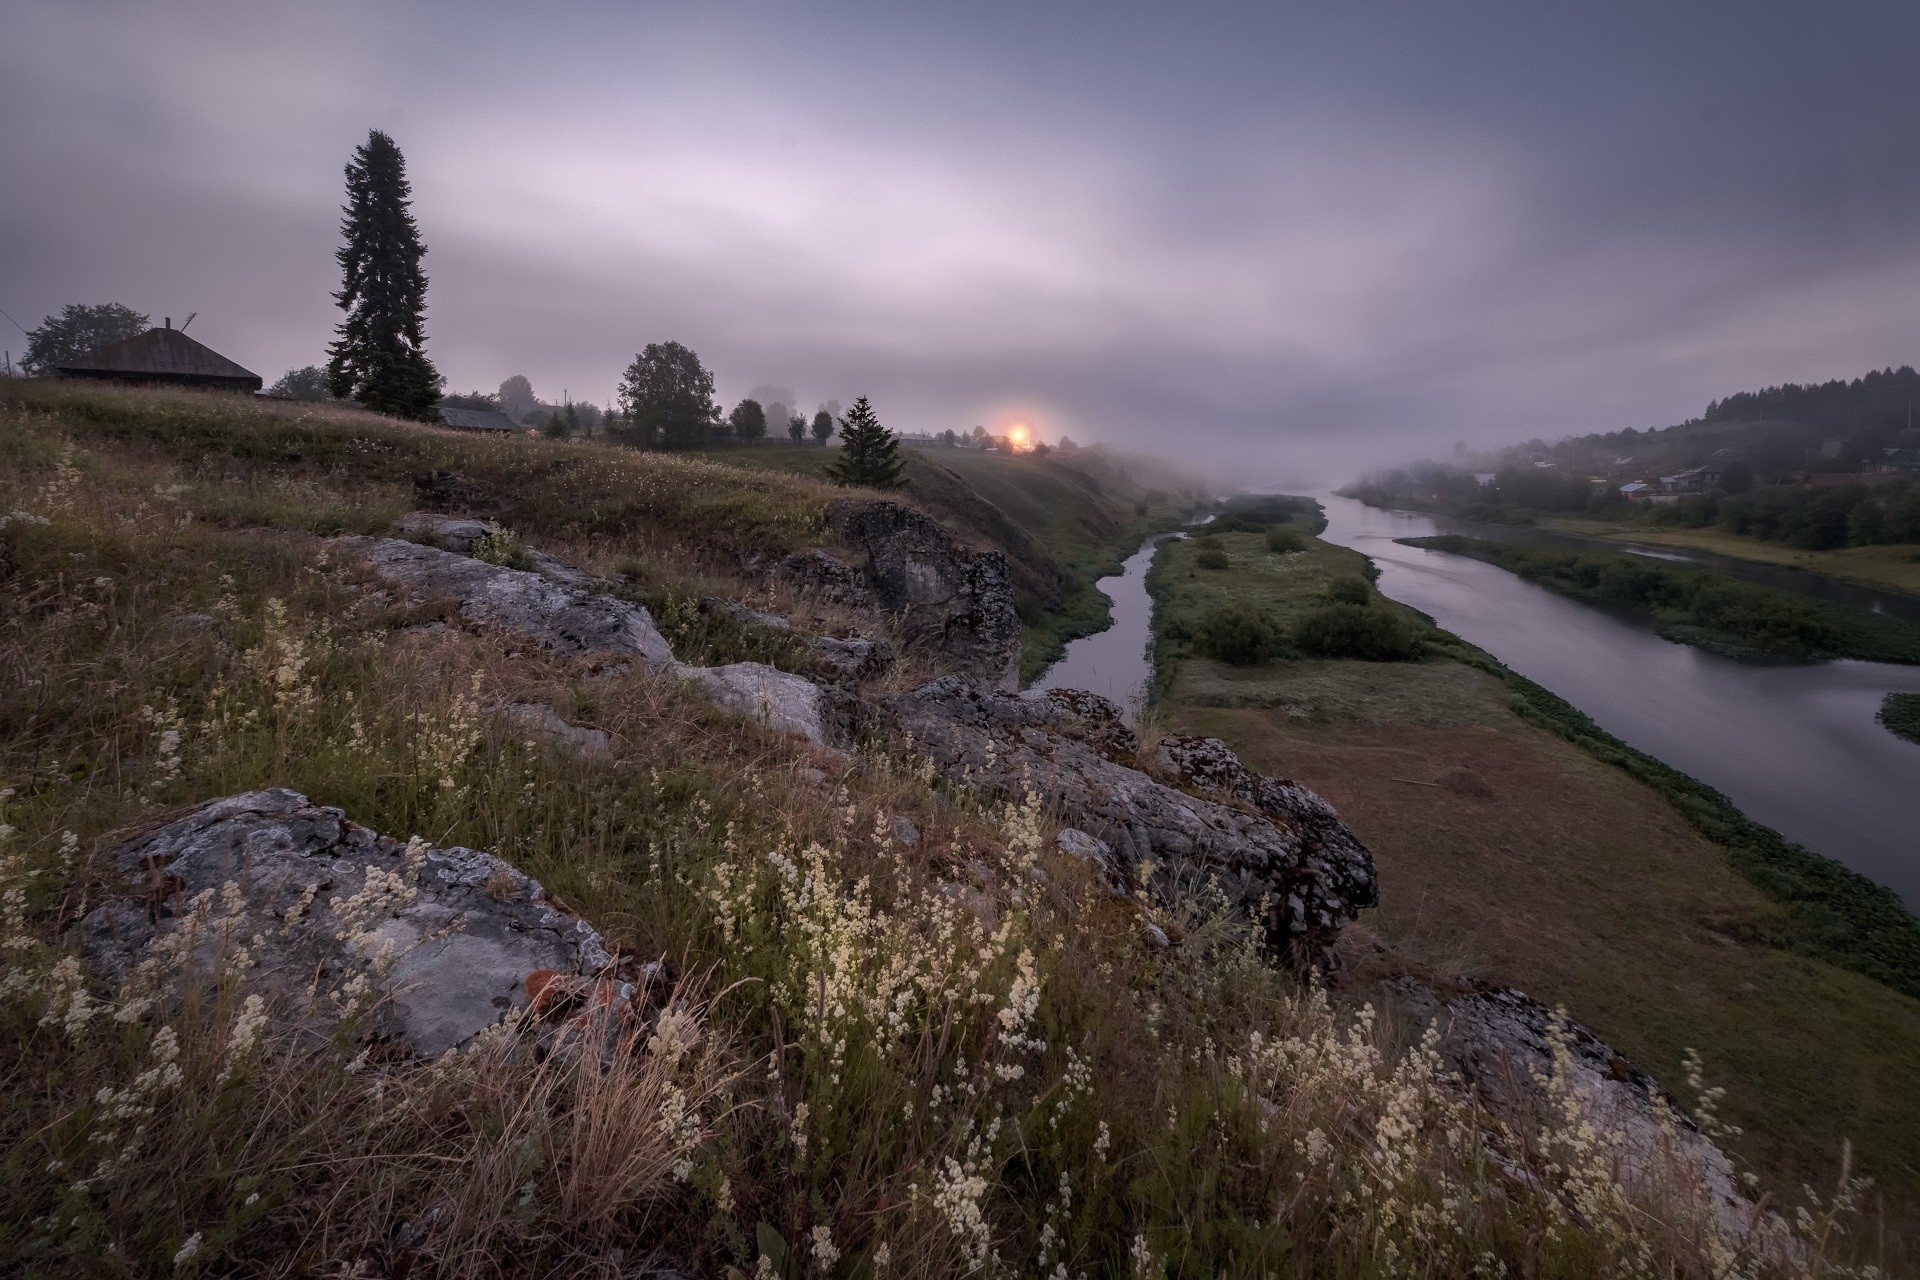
(1794, 744)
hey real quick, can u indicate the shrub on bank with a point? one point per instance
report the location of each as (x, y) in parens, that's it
(1212, 558)
(1285, 541)
(1356, 631)
(1901, 714)
(1239, 636)
(1348, 590)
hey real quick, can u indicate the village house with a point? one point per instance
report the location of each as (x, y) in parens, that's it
(165, 356)
(476, 419)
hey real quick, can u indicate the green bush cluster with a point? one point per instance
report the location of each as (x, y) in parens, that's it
(1285, 541)
(1356, 631)
(1239, 636)
(1257, 513)
(1349, 590)
(1901, 714)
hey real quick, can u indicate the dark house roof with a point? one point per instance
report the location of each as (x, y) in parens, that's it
(164, 355)
(476, 419)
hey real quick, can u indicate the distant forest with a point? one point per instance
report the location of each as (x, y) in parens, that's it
(1883, 400)
(1762, 445)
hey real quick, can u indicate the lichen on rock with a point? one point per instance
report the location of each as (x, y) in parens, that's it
(426, 946)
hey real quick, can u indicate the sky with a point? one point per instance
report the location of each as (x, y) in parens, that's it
(1288, 241)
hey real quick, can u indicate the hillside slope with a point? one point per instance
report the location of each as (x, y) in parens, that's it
(277, 805)
(1064, 519)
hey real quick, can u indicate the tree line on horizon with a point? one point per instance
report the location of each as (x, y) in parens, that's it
(378, 358)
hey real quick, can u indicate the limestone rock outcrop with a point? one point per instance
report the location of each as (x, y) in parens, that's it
(430, 946)
(555, 606)
(565, 618)
(826, 576)
(1283, 859)
(540, 719)
(955, 604)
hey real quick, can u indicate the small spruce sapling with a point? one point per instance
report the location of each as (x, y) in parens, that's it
(869, 453)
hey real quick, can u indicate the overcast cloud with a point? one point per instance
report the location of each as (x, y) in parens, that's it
(1298, 242)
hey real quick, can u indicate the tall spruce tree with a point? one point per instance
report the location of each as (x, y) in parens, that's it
(869, 453)
(380, 356)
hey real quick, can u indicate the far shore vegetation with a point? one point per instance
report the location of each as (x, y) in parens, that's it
(1901, 714)
(1700, 607)
(1823, 477)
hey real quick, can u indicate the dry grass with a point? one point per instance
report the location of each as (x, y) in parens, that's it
(1574, 883)
(961, 1058)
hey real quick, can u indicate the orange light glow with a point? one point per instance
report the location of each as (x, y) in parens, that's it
(1021, 438)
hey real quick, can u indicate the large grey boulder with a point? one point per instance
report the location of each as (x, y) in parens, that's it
(1209, 765)
(430, 946)
(1285, 861)
(754, 691)
(564, 618)
(955, 604)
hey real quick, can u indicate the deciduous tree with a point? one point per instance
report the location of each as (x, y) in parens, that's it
(80, 330)
(748, 420)
(309, 383)
(668, 396)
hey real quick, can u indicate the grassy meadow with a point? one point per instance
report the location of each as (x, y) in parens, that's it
(1894, 566)
(1513, 849)
(959, 1058)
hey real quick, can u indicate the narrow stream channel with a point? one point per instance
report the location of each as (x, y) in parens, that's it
(1116, 663)
(1794, 744)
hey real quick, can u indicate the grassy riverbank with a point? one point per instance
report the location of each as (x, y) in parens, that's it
(1519, 843)
(1894, 567)
(1713, 611)
(1065, 519)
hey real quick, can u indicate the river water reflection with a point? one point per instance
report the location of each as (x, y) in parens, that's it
(1793, 744)
(1116, 663)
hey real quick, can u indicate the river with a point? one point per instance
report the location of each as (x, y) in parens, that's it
(1794, 744)
(1116, 663)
